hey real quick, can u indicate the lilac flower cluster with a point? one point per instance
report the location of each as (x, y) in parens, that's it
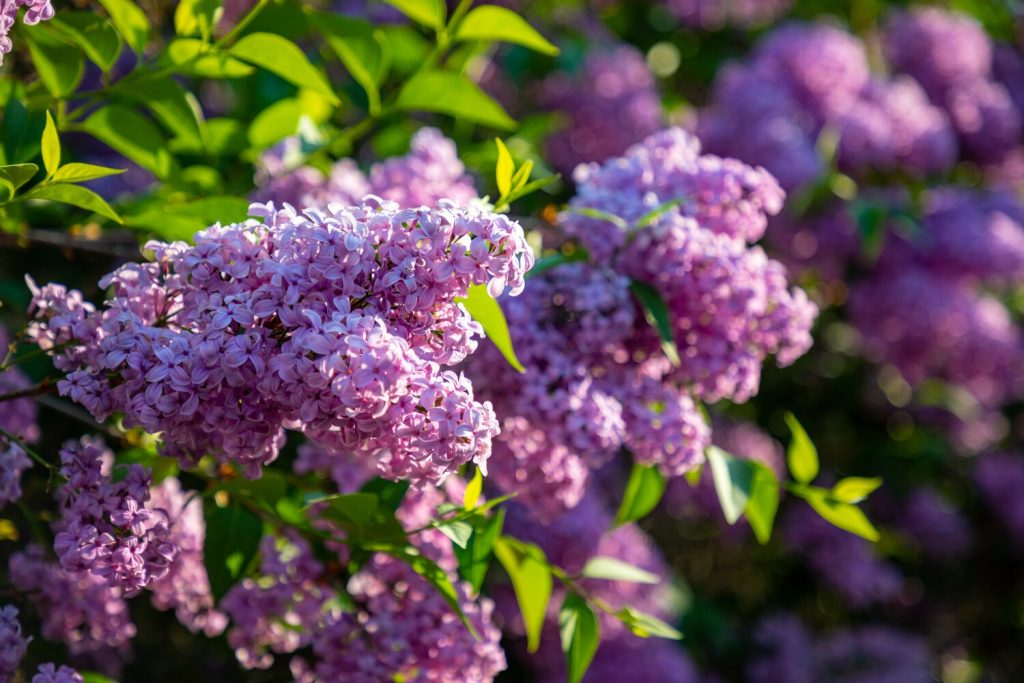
(13, 647)
(867, 654)
(611, 104)
(185, 587)
(35, 11)
(715, 14)
(106, 527)
(337, 323)
(962, 81)
(398, 626)
(430, 172)
(18, 418)
(51, 673)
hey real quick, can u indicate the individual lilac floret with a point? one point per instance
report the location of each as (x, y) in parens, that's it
(715, 14)
(35, 11)
(431, 171)
(844, 562)
(109, 528)
(50, 673)
(80, 609)
(337, 323)
(724, 195)
(999, 476)
(12, 644)
(610, 105)
(186, 587)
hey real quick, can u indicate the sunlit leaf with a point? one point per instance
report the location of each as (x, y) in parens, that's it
(76, 172)
(50, 146)
(76, 195)
(733, 479)
(504, 169)
(130, 21)
(613, 569)
(284, 58)
(763, 503)
(491, 22)
(855, 489)
(448, 92)
(432, 13)
(644, 489)
(92, 33)
(527, 567)
(801, 456)
(580, 634)
(485, 310)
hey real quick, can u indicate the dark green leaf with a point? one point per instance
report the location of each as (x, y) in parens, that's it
(486, 311)
(133, 135)
(657, 315)
(353, 510)
(643, 493)
(173, 106)
(60, 67)
(613, 569)
(580, 634)
(265, 491)
(195, 58)
(76, 195)
(801, 456)
(447, 92)
(130, 21)
(92, 33)
(527, 567)
(763, 502)
(733, 482)
(546, 263)
(390, 494)
(491, 22)
(232, 540)
(284, 58)
(22, 131)
(438, 578)
(360, 49)
(475, 558)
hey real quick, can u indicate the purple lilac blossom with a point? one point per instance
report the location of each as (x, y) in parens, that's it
(18, 418)
(934, 524)
(715, 14)
(842, 561)
(186, 587)
(610, 105)
(337, 323)
(35, 11)
(1000, 477)
(80, 609)
(12, 644)
(108, 528)
(51, 673)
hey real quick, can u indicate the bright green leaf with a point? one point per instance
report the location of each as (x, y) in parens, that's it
(533, 185)
(546, 263)
(60, 67)
(355, 510)
(131, 22)
(93, 677)
(855, 489)
(733, 479)
(473, 489)
(657, 315)
(458, 531)
(284, 58)
(133, 135)
(647, 625)
(431, 13)
(50, 147)
(266, 491)
(79, 173)
(613, 569)
(18, 174)
(763, 503)
(491, 22)
(195, 17)
(173, 106)
(580, 634)
(92, 33)
(359, 47)
(76, 195)
(522, 175)
(843, 515)
(438, 578)
(275, 123)
(527, 567)
(485, 310)
(801, 455)
(447, 92)
(194, 58)
(232, 539)
(504, 169)
(643, 493)
(182, 221)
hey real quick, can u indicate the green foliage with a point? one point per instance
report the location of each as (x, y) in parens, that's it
(644, 489)
(475, 557)
(613, 569)
(486, 311)
(733, 482)
(801, 456)
(580, 634)
(285, 59)
(232, 540)
(430, 13)
(447, 92)
(75, 195)
(131, 22)
(527, 567)
(494, 23)
(657, 315)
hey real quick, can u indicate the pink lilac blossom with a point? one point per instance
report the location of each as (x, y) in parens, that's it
(109, 528)
(12, 644)
(78, 609)
(337, 323)
(430, 172)
(610, 105)
(35, 11)
(186, 587)
(842, 561)
(715, 14)
(999, 477)
(18, 417)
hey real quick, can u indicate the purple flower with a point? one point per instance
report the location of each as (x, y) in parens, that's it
(715, 14)
(35, 11)
(49, 673)
(12, 644)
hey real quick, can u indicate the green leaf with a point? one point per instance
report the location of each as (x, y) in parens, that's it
(580, 634)
(504, 169)
(284, 58)
(265, 491)
(76, 195)
(546, 263)
(93, 677)
(647, 625)
(475, 558)
(432, 13)
(359, 47)
(275, 123)
(485, 310)
(855, 489)
(733, 481)
(59, 66)
(133, 135)
(79, 173)
(613, 569)
(390, 494)
(491, 22)
(657, 315)
(527, 567)
(130, 21)
(843, 515)
(801, 456)
(473, 489)
(195, 58)
(447, 92)
(643, 493)
(522, 175)
(438, 578)
(598, 214)
(92, 33)
(458, 531)
(22, 131)
(173, 106)
(50, 147)
(763, 503)
(195, 17)
(353, 510)
(533, 185)
(18, 174)
(232, 539)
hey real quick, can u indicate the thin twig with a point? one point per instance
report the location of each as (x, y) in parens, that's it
(44, 387)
